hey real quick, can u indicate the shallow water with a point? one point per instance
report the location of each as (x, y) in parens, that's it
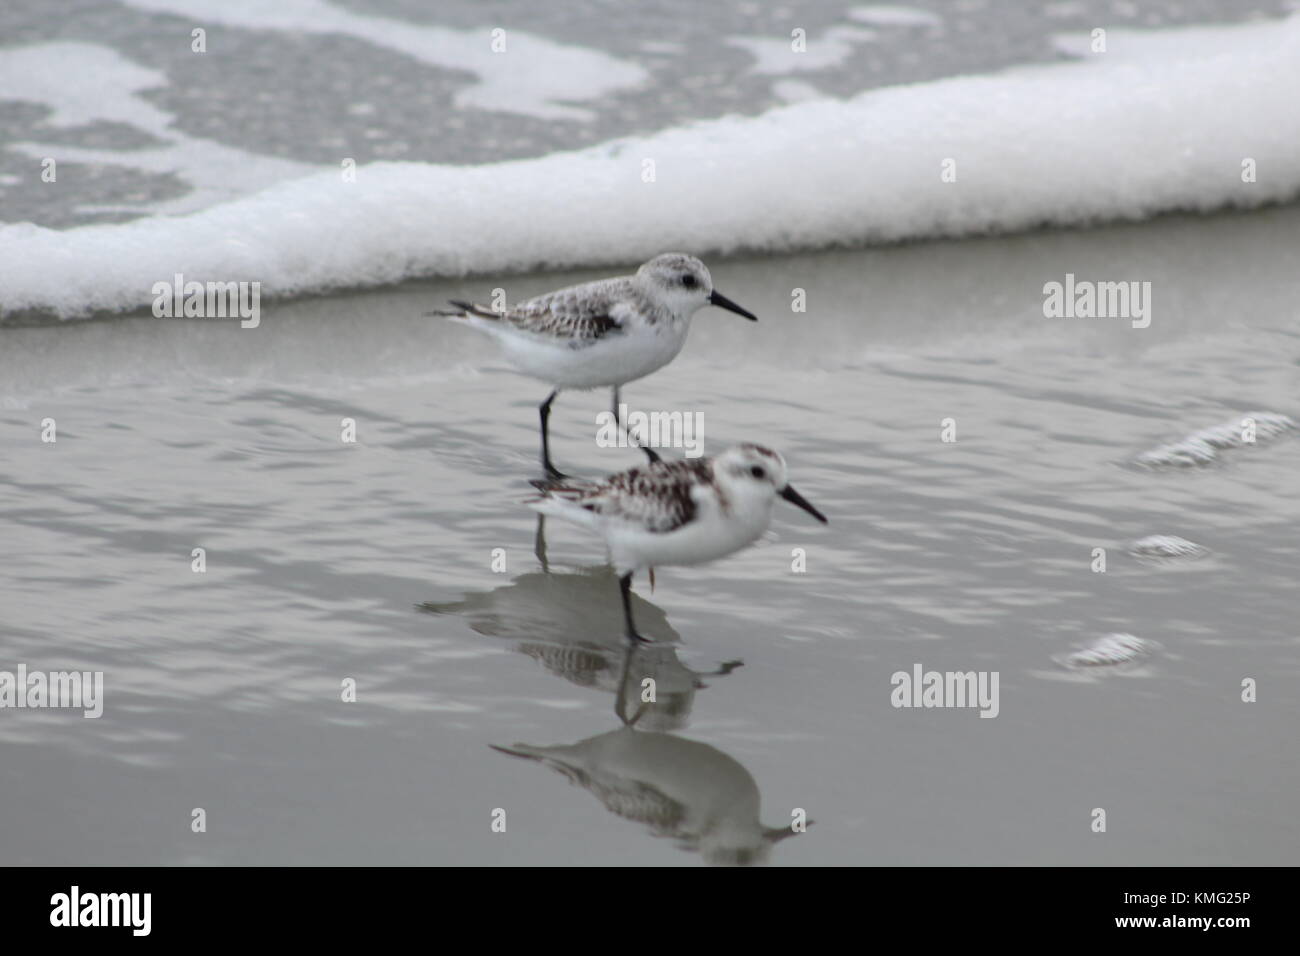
(373, 561)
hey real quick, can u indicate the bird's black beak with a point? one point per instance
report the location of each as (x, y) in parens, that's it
(795, 498)
(722, 302)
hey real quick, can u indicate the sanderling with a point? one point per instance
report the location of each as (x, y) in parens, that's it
(680, 512)
(603, 333)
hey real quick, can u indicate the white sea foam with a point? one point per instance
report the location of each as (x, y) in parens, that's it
(1160, 125)
(1203, 447)
(83, 83)
(531, 75)
(1110, 650)
(777, 56)
(887, 16)
(1167, 547)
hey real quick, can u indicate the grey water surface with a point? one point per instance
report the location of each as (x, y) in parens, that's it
(481, 690)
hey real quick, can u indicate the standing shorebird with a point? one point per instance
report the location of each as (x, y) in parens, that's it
(681, 512)
(603, 333)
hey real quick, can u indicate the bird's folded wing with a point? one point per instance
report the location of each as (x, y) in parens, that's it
(567, 316)
(658, 498)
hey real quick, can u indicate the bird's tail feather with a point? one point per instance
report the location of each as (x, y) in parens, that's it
(464, 309)
(561, 501)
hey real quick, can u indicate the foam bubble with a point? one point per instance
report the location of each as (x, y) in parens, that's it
(1111, 650)
(1161, 547)
(887, 16)
(1203, 447)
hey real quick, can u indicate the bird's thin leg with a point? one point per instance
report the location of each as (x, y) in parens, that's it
(626, 691)
(539, 543)
(620, 699)
(545, 410)
(625, 589)
(650, 452)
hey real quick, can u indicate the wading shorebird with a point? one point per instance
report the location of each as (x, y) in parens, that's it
(681, 512)
(601, 334)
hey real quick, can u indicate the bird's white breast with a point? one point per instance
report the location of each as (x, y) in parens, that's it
(712, 534)
(621, 357)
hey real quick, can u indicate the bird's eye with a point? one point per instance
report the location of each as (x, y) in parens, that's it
(688, 280)
(757, 471)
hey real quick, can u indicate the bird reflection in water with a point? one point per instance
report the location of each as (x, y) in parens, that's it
(563, 621)
(679, 789)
